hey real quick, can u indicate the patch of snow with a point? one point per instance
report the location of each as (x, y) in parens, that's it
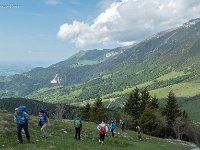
(56, 79)
(160, 34)
(154, 50)
(111, 54)
(191, 23)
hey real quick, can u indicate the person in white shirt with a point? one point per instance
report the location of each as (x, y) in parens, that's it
(103, 129)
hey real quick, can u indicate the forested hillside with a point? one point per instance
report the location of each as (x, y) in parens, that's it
(9, 104)
(169, 60)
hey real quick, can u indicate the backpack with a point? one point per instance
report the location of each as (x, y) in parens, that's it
(112, 126)
(122, 123)
(102, 130)
(77, 123)
(44, 111)
(23, 109)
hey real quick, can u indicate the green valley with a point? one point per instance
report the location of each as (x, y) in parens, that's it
(166, 61)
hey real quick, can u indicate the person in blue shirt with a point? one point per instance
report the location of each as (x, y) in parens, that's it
(21, 118)
(77, 126)
(112, 128)
(43, 122)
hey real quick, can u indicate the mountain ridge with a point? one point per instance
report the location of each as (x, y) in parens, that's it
(88, 74)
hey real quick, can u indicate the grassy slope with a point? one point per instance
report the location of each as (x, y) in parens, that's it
(188, 89)
(54, 91)
(183, 90)
(62, 137)
(192, 106)
(171, 75)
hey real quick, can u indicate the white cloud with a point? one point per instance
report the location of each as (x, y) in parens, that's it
(53, 2)
(128, 21)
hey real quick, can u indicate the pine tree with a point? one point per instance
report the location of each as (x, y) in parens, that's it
(97, 113)
(132, 107)
(145, 99)
(86, 112)
(171, 110)
(117, 117)
(154, 104)
(185, 115)
(129, 105)
(147, 121)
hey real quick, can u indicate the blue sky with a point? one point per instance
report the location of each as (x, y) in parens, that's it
(28, 29)
(53, 30)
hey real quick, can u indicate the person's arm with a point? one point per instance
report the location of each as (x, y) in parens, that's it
(81, 123)
(74, 122)
(48, 120)
(106, 128)
(25, 115)
(115, 126)
(14, 117)
(39, 122)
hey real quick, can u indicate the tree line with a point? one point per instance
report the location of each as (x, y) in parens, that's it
(160, 120)
(55, 111)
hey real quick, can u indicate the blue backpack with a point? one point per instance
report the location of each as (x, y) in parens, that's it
(113, 126)
(42, 120)
(44, 111)
(23, 109)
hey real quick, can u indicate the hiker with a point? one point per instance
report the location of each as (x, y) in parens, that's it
(139, 130)
(102, 131)
(122, 125)
(43, 122)
(16, 109)
(77, 127)
(21, 117)
(112, 128)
